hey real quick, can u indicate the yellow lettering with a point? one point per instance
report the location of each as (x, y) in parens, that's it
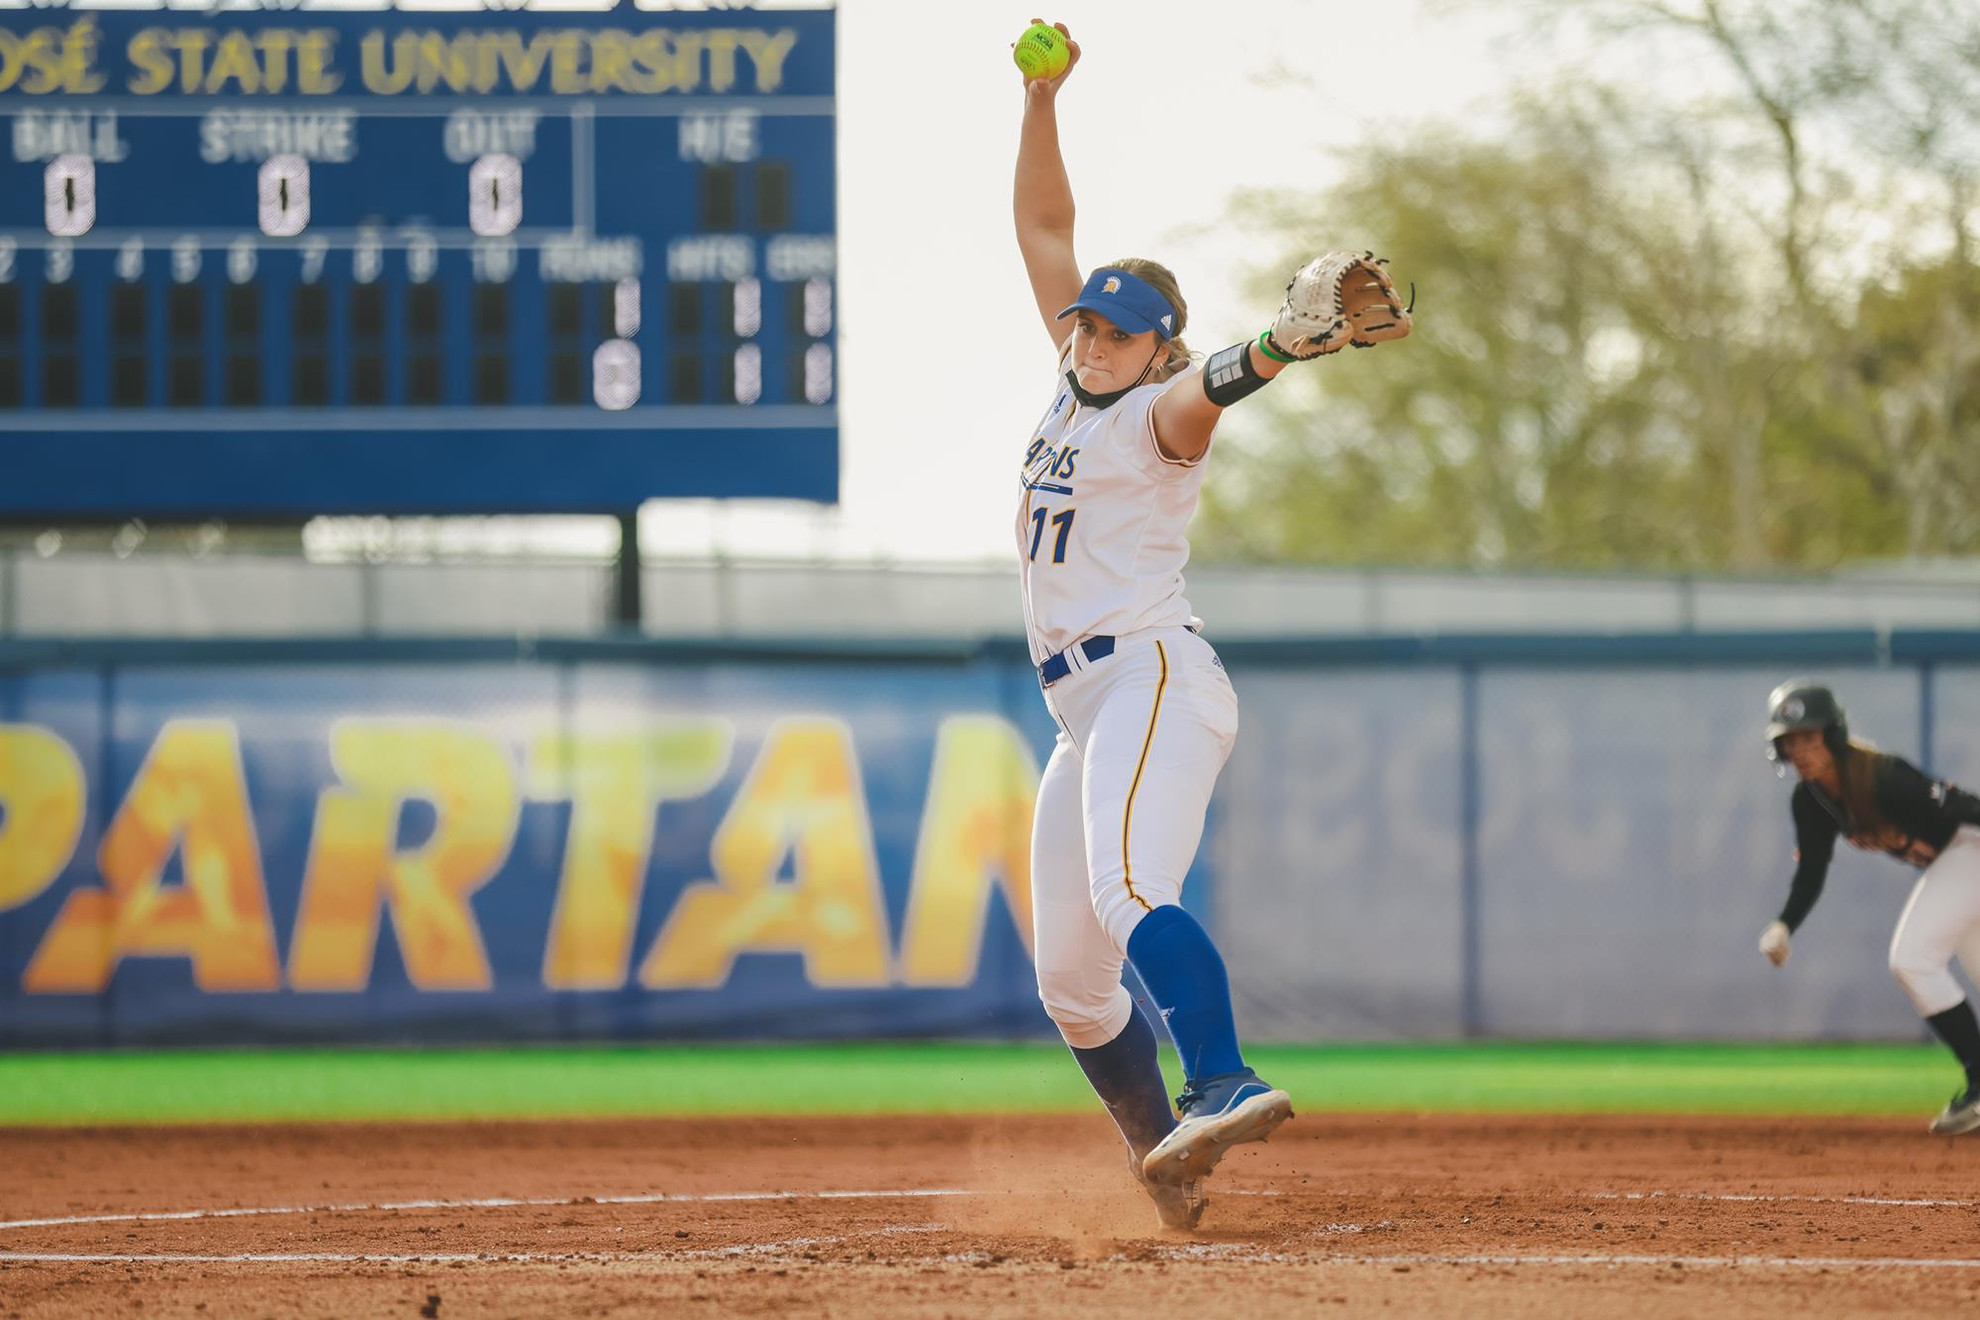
(382, 76)
(41, 810)
(314, 54)
(653, 56)
(721, 45)
(803, 802)
(275, 45)
(687, 60)
(768, 51)
(191, 44)
(79, 75)
(154, 66)
(234, 60)
(611, 61)
(975, 835)
(354, 869)
(613, 783)
(566, 54)
(442, 60)
(41, 61)
(571, 61)
(190, 797)
(524, 64)
(51, 60)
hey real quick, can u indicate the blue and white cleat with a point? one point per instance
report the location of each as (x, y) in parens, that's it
(1217, 1113)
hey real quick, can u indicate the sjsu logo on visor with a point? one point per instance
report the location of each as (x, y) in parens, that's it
(1133, 304)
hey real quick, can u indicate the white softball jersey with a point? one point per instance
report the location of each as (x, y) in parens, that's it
(1100, 524)
(1145, 730)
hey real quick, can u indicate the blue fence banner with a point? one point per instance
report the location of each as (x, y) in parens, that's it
(473, 840)
(521, 851)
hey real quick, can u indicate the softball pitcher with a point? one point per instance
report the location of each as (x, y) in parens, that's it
(1146, 716)
(1882, 802)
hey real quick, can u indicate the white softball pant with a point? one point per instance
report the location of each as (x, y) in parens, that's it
(1143, 735)
(1941, 919)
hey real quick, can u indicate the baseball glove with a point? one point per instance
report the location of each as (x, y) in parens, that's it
(1340, 299)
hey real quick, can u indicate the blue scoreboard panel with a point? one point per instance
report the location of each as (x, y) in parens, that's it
(352, 256)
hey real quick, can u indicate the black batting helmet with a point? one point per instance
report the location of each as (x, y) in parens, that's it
(1801, 703)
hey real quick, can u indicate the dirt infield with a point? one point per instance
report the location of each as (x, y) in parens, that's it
(989, 1217)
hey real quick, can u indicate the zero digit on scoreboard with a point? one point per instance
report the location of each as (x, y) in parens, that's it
(69, 193)
(495, 194)
(282, 195)
(615, 375)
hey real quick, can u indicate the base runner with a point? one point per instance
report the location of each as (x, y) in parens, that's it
(1884, 803)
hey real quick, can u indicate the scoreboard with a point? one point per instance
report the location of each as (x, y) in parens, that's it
(432, 256)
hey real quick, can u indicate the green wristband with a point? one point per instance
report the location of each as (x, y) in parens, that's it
(1265, 347)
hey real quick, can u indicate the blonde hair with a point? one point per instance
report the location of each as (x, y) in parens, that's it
(1163, 281)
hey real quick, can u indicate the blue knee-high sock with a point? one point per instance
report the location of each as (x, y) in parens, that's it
(1185, 977)
(1128, 1078)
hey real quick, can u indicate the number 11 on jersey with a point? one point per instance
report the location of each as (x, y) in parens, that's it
(1062, 522)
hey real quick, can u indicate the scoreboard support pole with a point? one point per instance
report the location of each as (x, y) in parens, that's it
(626, 611)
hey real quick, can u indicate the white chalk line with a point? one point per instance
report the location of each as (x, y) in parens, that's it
(912, 1193)
(1238, 1252)
(1781, 1197)
(478, 1203)
(1702, 1262)
(686, 1198)
(279, 1258)
(785, 1247)
(793, 1247)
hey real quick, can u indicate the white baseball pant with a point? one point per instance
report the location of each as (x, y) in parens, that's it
(1143, 734)
(1941, 919)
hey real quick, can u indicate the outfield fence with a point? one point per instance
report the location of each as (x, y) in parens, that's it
(420, 840)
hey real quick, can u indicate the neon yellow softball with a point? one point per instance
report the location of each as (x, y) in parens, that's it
(1041, 52)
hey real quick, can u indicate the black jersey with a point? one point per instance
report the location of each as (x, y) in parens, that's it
(1906, 813)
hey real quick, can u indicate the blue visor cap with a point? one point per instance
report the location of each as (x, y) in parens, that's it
(1129, 302)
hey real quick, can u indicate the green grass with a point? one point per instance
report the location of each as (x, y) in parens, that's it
(275, 1085)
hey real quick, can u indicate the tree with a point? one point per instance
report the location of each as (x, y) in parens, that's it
(1654, 332)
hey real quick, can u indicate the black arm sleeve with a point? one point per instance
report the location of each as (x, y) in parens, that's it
(1814, 847)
